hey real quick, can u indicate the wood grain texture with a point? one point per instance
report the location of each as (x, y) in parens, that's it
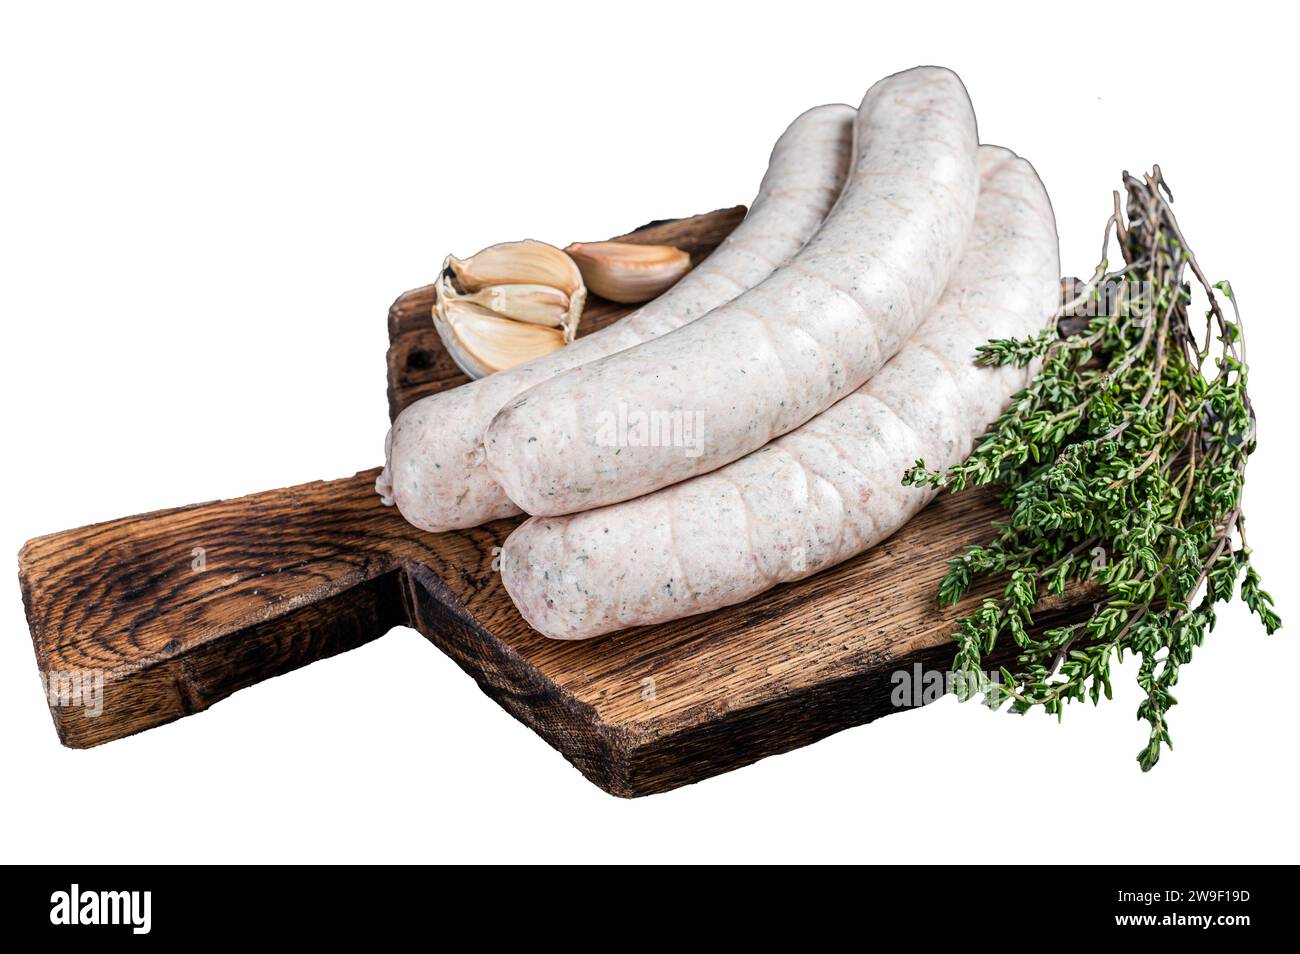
(302, 573)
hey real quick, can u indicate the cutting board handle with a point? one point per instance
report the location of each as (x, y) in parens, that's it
(140, 621)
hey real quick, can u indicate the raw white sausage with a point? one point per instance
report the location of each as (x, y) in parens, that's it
(728, 383)
(826, 491)
(435, 471)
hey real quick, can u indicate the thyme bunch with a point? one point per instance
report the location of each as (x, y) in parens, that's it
(1121, 467)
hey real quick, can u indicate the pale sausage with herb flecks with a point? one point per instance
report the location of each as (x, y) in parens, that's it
(827, 490)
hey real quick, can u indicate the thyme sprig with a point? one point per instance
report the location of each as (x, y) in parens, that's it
(1121, 467)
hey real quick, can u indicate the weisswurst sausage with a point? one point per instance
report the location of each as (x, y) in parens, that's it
(826, 491)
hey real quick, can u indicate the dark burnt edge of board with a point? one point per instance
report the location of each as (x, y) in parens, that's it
(571, 727)
(809, 713)
(666, 753)
(394, 355)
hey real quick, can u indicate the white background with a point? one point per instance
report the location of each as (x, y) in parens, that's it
(206, 213)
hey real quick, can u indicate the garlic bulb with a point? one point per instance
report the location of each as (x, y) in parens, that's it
(508, 304)
(629, 273)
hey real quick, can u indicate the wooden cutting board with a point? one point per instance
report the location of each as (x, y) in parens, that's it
(175, 610)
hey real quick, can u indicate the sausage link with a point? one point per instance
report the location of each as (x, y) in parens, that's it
(826, 491)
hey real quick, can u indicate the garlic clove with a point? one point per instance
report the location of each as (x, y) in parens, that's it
(629, 273)
(517, 263)
(535, 304)
(482, 342)
(507, 304)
